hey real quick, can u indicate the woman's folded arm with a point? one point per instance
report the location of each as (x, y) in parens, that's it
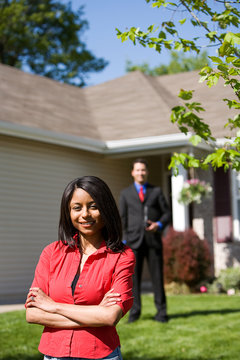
(41, 317)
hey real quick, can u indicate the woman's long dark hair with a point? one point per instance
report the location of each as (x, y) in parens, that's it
(101, 194)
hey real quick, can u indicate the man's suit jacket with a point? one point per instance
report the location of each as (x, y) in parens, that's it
(132, 215)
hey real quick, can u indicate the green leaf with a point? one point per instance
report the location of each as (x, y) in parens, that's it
(233, 72)
(216, 59)
(211, 34)
(183, 129)
(193, 163)
(202, 78)
(212, 80)
(182, 157)
(194, 22)
(230, 59)
(232, 104)
(150, 28)
(167, 44)
(209, 158)
(236, 62)
(124, 37)
(232, 38)
(178, 46)
(205, 69)
(162, 35)
(185, 95)
(132, 37)
(182, 21)
(225, 49)
(223, 68)
(195, 139)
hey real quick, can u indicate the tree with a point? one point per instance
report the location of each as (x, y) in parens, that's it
(179, 62)
(219, 23)
(44, 36)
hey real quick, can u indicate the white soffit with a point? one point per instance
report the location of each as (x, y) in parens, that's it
(51, 137)
(103, 147)
(152, 142)
(223, 141)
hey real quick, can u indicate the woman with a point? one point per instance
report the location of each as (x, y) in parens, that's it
(83, 282)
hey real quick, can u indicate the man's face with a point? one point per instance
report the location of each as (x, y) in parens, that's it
(139, 173)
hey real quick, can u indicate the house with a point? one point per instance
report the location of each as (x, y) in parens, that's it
(51, 133)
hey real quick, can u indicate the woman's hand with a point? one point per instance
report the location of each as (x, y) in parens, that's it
(37, 298)
(110, 298)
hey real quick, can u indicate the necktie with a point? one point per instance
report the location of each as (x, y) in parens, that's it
(141, 194)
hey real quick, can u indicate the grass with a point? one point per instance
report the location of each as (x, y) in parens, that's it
(201, 327)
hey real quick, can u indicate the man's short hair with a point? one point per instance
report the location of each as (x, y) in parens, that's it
(141, 161)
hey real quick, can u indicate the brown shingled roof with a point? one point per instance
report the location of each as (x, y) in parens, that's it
(39, 102)
(132, 106)
(217, 112)
(137, 105)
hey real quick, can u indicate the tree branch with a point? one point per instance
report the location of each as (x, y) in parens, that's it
(198, 21)
(229, 2)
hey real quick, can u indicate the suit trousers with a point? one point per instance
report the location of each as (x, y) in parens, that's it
(155, 264)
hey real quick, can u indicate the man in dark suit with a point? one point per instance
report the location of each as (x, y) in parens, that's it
(145, 214)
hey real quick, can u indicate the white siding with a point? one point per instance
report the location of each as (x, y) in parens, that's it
(33, 176)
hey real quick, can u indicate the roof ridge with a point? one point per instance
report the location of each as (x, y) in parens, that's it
(161, 90)
(158, 89)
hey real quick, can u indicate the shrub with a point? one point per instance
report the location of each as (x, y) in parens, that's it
(229, 278)
(174, 288)
(187, 258)
(215, 287)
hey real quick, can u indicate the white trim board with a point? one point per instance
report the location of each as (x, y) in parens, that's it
(109, 147)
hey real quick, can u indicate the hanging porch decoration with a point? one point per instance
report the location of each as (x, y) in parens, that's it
(194, 190)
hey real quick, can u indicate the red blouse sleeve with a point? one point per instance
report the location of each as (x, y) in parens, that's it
(122, 279)
(41, 278)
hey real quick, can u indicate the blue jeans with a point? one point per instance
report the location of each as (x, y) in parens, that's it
(115, 355)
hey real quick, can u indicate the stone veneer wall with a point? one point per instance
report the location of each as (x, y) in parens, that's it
(203, 213)
(226, 255)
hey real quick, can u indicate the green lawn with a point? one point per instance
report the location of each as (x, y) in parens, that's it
(201, 327)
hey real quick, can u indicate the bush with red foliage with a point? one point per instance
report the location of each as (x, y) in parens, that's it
(187, 258)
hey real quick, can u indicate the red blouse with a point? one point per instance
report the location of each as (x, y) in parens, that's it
(102, 271)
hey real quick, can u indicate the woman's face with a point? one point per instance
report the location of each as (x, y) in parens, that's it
(85, 215)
